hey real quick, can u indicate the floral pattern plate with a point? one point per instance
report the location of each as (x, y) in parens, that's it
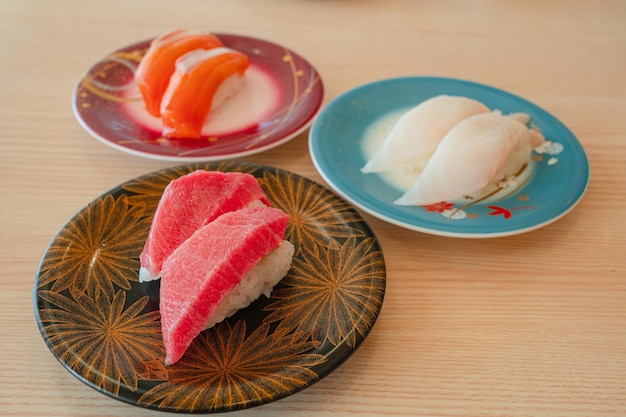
(283, 94)
(553, 183)
(104, 326)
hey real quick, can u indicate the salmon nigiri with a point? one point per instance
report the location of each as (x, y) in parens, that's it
(216, 271)
(190, 202)
(157, 66)
(203, 79)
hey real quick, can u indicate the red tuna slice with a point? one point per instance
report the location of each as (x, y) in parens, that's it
(201, 271)
(190, 202)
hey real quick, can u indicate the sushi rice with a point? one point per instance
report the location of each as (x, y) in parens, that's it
(260, 280)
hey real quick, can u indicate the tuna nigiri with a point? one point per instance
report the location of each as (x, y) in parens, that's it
(217, 266)
(190, 202)
(203, 79)
(480, 149)
(158, 64)
(417, 133)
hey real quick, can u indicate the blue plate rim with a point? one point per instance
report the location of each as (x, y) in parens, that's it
(327, 167)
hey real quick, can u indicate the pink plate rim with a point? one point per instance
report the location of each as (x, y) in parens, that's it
(97, 100)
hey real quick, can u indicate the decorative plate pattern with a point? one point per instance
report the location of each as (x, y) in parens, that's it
(104, 326)
(107, 103)
(552, 184)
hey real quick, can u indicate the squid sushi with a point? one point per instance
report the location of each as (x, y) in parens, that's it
(158, 64)
(221, 268)
(190, 202)
(478, 151)
(203, 80)
(417, 133)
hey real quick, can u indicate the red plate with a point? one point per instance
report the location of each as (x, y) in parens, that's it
(283, 94)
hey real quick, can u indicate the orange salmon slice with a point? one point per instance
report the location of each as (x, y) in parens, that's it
(159, 63)
(201, 80)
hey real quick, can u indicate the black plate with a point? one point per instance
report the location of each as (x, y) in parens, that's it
(104, 326)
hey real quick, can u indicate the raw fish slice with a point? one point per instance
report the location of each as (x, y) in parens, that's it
(208, 265)
(190, 202)
(481, 149)
(158, 64)
(202, 80)
(417, 133)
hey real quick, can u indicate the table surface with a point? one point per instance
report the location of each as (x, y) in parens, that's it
(526, 325)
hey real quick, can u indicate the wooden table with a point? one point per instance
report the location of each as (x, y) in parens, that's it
(527, 325)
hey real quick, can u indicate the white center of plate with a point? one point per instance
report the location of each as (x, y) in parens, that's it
(258, 100)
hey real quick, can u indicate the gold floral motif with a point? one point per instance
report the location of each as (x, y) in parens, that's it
(97, 249)
(333, 291)
(107, 343)
(316, 214)
(225, 370)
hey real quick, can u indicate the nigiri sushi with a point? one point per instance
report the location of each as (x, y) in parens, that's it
(203, 79)
(190, 202)
(158, 64)
(222, 267)
(477, 151)
(417, 133)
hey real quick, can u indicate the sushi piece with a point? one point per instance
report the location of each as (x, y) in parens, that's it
(417, 133)
(222, 267)
(190, 202)
(158, 64)
(477, 151)
(203, 80)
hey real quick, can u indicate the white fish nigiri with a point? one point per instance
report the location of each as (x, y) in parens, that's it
(477, 151)
(417, 133)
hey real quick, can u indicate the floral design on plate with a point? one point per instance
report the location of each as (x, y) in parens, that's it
(106, 341)
(104, 326)
(228, 367)
(96, 248)
(308, 208)
(283, 94)
(332, 292)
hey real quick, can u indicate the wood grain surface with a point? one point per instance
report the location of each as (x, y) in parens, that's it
(527, 325)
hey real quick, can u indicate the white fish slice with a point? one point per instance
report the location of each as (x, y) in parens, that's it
(417, 133)
(477, 151)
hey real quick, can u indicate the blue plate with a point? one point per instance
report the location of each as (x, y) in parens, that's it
(558, 179)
